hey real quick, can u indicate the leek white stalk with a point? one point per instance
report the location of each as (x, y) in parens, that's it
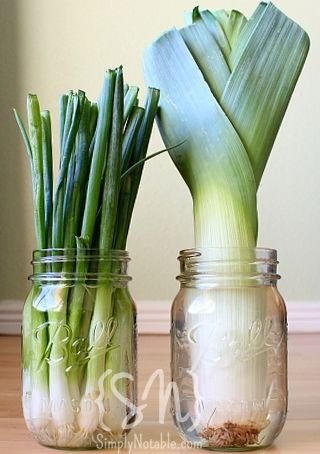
(225, 85)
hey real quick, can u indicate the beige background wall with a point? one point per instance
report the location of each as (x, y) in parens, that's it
(50, 46)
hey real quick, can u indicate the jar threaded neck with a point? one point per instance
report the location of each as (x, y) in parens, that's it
(56, 265)
(228, 267)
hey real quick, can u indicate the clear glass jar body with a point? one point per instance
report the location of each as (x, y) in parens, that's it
(79, 349)
(229, 350)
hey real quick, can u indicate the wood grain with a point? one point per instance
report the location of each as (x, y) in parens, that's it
(301, 434)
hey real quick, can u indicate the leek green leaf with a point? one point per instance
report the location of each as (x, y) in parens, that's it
(229, 101)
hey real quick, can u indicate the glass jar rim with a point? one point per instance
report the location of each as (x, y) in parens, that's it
(88, 252)
(217, 254)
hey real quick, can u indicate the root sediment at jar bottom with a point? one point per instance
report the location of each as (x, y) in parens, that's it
(232, 435)
(98, 439)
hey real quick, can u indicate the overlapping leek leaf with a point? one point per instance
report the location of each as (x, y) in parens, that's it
(225, 84)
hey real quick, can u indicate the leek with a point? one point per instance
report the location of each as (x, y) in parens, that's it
(103, 148)
(225, 84)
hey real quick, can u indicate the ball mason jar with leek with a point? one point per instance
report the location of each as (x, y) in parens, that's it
(225, 83)
(79, 329)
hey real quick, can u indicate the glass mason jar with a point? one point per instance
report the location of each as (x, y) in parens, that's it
(79, 349)
(229, 349)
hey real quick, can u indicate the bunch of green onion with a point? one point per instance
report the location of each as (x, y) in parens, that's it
(103, 147)
(225, 85)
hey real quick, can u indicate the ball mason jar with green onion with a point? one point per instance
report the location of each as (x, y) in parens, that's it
(79, 349)
(78, 353)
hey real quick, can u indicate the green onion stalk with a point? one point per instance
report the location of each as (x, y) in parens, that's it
(103, 148)
(225, 85)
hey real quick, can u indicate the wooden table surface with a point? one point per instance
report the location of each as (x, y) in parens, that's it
(301, 434)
